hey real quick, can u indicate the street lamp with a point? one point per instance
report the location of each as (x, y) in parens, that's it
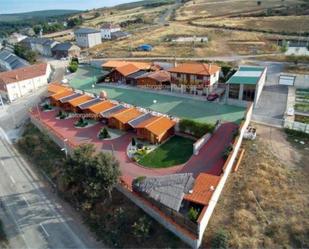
(65, 149)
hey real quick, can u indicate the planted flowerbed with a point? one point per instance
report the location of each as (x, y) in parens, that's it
(47, 107)
(62, 115)
(81, 123)
(103, 134)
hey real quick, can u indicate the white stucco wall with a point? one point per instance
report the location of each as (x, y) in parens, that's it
(24, 87)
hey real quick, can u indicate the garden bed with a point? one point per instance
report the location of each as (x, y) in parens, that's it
(177, 150)
(109, 134)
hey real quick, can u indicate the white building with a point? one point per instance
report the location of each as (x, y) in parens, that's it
(108, 29)
(87, 38)
(194, 78)
(246, 85)
(20, 82)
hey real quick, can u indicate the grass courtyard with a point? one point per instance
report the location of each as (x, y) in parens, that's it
(177, 106)
(177, 150)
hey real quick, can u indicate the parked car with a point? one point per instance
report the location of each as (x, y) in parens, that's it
(212, 97)
(219, 92)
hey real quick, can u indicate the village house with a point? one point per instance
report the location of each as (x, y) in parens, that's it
(20, 82)
(43, 46)
(10, 61)
(194, 78)
(246, 85)
(16, 38)
(66, 50)
(107, 29)
(87, 37)
(156, 80)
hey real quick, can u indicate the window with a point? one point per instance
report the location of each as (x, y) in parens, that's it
(178, 75)
(199, 77)
(248, 93)
(233, 91)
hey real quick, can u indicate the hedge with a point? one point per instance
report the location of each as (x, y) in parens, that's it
(194, 128)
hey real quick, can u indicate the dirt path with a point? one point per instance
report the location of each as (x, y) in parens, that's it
(279, 145)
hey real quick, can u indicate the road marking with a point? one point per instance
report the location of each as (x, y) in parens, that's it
(12, 179)
(24, 198)
(44, 230)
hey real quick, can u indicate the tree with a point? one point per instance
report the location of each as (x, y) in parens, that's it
(25, 53)
(220, 240)
(133, 142)
(92, 176)
(73, 66)
(37, 29)
(75, 22)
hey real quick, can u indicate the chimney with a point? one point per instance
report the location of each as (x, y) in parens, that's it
(16, 76)
(209, 67)
(175, 62)
(212, 188)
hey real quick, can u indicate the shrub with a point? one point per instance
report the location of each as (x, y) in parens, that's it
(193, 214)
(47, 107)
(194, 128)
(81, 123)
(141, 228)
(220, 240)
(104, 133)
(227, 151)
(62, 115)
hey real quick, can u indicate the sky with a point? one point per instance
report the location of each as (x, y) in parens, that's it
(17, 6)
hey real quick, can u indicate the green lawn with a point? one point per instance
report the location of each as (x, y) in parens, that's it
(175, 151)
(177, 106)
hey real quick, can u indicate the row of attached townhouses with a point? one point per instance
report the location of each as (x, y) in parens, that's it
(20, 82)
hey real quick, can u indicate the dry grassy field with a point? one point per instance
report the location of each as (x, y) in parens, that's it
(273, 23)
(265, 204)
(213, 8)
(221, 43)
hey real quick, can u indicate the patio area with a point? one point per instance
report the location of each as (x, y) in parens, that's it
(177, 106)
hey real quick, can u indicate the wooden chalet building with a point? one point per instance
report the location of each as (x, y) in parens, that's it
(158, 79)
(121, 119)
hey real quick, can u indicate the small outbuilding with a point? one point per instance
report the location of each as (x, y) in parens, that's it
(66, 50)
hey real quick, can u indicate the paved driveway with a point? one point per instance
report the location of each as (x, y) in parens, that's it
(272, 103)
(209, 159)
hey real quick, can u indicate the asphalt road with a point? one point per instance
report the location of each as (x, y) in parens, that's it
(32, 218)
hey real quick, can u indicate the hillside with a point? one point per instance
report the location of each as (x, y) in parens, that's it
(35, 15)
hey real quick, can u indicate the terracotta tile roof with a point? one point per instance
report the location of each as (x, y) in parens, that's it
(56, 87)
(127, 69)
(58, 96)
(202, 190)
(195, 68)
(79, 100)
(127, 115)
(159, 76)
(23, 73)
(115, 64)
(160, 125)
(98, 108)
